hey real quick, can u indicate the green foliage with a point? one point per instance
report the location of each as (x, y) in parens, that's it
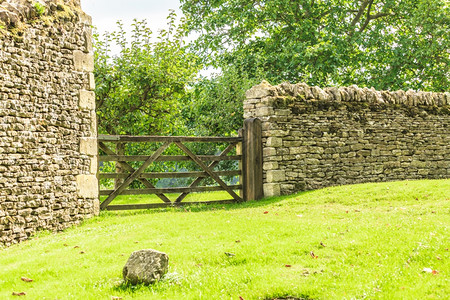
(214, 106)
(392, 44)
(40, 9)
(137, 91)
(370, 241)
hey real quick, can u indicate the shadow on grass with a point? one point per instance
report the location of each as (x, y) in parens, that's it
(169, 279)
(199, 207)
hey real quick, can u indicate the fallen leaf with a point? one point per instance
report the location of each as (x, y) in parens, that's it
(19, 293)
(76, 247)
(65, 245)
(322, 244)
(240, 298)
(438, 258)
(82, 252)
(136, 242)
(266, 212)
(198, 265)
(229, 254)
(237, 241)
(26, 279)
(288, 266)
(313, 255)
(116, 298)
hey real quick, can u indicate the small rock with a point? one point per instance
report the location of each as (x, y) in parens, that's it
(145, 266)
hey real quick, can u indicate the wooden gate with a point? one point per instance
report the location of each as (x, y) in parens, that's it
(248, 146)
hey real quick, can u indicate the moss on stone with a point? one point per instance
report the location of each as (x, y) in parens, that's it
(48, 15)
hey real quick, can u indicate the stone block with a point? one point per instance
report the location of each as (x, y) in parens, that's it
(87, 40)
(96, 207)
(93, 121)
(85, 18)
(276, 176)
(91, 79)
(87, 100)
(269, 151)
(259, 91)
(87, 186)
(270, 165)
(271, 189)
(93, 167)
(263, 111)
(88, 146)
(282, 112)
(83, 62)
(298, 150)
(274, 142)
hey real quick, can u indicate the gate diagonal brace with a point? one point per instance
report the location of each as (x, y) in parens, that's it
(130, 169)
(135, 175)
(208, 170)
(197, 181)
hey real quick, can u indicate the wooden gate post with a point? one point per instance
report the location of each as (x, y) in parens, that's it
(252, 160)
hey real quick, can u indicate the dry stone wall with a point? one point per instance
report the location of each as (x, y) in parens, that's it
(313, 137)
(48, 145)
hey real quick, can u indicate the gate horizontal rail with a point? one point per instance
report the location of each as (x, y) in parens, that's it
(167, 158)
(151, 138)
(172, 190)
(169, 174)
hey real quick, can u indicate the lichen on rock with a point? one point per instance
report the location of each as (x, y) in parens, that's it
(16, 15)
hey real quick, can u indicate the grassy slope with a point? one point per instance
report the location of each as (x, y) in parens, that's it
(378, 238)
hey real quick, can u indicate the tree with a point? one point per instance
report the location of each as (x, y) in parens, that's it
(138, 90)
(390, 44)
(214, 105)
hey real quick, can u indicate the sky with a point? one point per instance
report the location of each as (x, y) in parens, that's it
(105, 13)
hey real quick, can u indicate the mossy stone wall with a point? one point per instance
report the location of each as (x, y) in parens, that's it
(314, 138)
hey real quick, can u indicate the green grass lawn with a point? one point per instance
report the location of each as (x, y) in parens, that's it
(369, 241)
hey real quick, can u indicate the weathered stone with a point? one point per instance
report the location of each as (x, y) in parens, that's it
(87, 100)
(91, 79)
(271, 189)
(47, 141)
(263, 111)
(87, 186)
(274, 142)
(270, 165)
(365, 138)
(83, 62)
(275, 175)
(93, 167)
(145, 266)
(88, 146)
(259, 91)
